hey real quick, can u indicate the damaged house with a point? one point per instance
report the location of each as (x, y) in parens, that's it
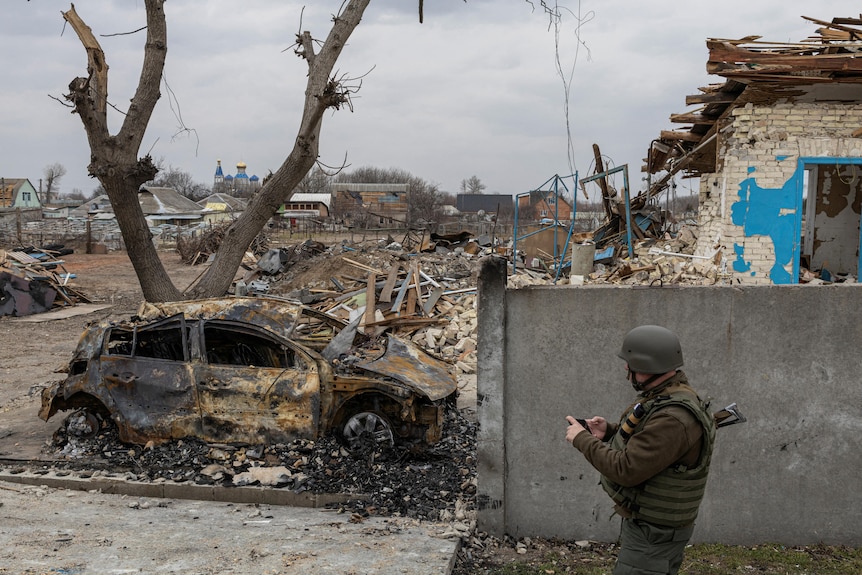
(778, 152)
(370, 205)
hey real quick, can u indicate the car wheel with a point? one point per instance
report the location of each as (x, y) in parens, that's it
(367, 429)
(82, 423)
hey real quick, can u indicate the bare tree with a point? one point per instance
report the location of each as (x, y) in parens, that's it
(115, 162)
(182, 182)
(472, 185)
(316, 181)
(375, 175)
(52, 174)
(424, 204)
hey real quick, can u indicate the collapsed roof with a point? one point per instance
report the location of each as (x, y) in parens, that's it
(823, 67)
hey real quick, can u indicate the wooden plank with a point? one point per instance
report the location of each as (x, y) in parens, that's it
(713, 98)
(428, 306)
(684, 136)
(386, 292)
(370, 305)
(23, 258)
(361, 266)
(410, 306)
(692, 119)
(428, 279)
(402, 292)
(416, 280)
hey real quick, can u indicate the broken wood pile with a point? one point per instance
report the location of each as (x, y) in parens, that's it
(427, 298)
(198, 248)
(34, 281)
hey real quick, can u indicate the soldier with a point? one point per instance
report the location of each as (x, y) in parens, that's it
(654, 463)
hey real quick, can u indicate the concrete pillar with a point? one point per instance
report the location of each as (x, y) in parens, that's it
(490, 381)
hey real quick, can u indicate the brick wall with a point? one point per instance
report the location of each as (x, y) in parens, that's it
(769, 139)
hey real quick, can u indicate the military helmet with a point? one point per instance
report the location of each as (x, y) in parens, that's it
(651, 349)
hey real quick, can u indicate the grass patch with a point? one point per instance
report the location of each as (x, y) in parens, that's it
(701, 559)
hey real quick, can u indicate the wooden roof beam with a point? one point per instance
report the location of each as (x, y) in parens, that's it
(673, 135)
(711, 98)
(692, 118)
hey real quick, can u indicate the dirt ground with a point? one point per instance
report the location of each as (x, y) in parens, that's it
(32, 350)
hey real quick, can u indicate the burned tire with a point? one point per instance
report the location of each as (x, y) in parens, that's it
(367, 430)
(82, 423)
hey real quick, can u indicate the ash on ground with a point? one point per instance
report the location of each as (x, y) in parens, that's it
(437, 484)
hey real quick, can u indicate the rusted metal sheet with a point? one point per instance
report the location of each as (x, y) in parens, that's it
(413, 367)
(20, 296)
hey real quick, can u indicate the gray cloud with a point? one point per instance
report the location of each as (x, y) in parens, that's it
(473, 90)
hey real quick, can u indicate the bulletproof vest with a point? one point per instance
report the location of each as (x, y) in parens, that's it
(673, 496)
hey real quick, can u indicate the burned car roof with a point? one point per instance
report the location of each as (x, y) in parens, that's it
(251, 370)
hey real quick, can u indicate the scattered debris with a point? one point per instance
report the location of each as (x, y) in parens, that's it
(197, 248)
(34, 280)
(437, 484)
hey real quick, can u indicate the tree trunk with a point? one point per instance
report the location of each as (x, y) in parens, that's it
(321, 93)
(116, 165)
(113, 159)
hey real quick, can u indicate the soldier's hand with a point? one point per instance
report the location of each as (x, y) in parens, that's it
(598, 426)
(574, 428)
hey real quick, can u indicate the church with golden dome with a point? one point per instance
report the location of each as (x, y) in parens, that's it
(239, 184)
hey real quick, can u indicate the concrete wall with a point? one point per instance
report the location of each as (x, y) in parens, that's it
(752, 206)
(789, 355)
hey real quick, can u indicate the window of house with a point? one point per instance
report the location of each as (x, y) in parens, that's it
(25, 196)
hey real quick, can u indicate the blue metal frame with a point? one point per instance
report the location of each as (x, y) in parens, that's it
(625, 170)
(555, 189)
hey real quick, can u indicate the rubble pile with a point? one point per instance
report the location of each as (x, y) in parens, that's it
(33, 280)
(435, 484)
(659, 261)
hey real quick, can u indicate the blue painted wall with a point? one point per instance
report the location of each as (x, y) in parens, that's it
(771, 212)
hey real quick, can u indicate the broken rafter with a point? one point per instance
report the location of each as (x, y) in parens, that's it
(836, 26)
(723, 53)
(692, 118)
(678, 135)
(711, 98)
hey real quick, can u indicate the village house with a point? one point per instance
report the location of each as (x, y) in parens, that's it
(778, 154)
(370, 205)
(18, 193)
(305, 206)
(221, 207)
(545, 205)
(19, 202)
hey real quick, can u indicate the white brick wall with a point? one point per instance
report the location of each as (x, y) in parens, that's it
(759, 136)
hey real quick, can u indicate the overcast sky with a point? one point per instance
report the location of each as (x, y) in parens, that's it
(472, 91)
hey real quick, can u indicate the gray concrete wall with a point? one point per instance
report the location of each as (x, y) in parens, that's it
(789, 355)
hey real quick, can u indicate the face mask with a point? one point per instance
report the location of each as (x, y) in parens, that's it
(638, 386)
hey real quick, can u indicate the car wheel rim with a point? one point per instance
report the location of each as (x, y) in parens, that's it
(368, 427)
(82, 423)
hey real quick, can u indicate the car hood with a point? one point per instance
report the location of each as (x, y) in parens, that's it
(414, 368)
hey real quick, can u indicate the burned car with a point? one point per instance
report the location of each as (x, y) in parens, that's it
(251, 371)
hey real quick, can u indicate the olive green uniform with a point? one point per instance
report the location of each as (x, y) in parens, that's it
(656, 477)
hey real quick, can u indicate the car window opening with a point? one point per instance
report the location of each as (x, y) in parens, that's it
(227, 346)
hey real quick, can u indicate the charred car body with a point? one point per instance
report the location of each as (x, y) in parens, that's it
(251, 370)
